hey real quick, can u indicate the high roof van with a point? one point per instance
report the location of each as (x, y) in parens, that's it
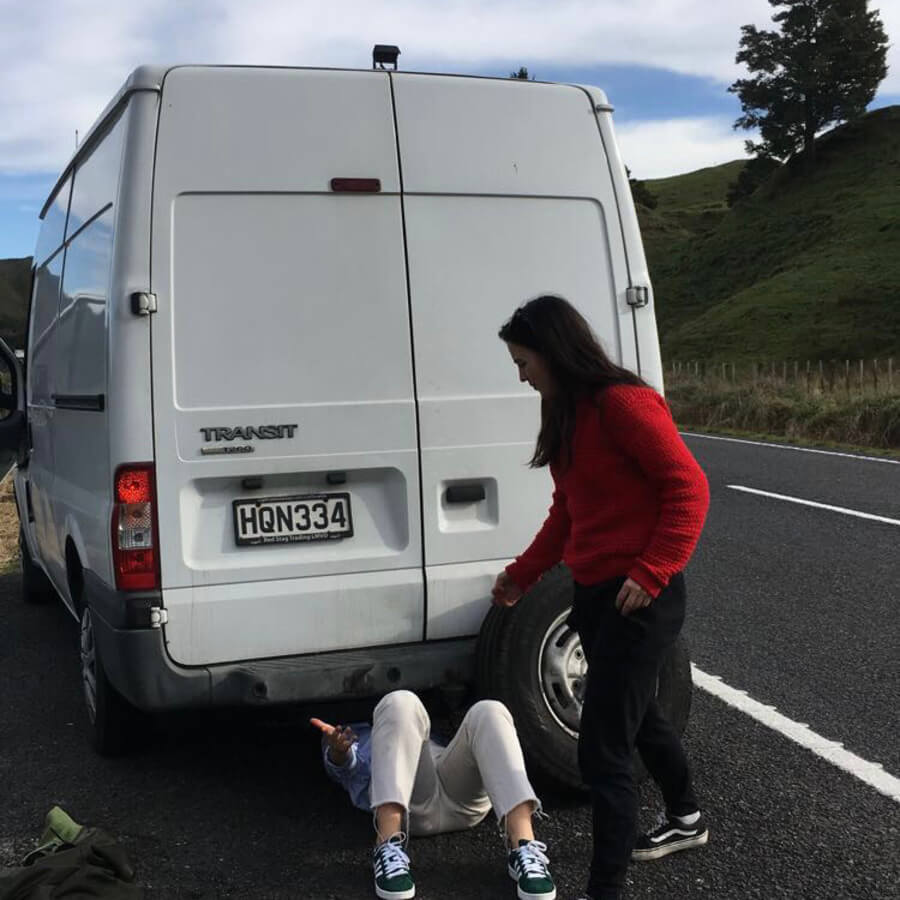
(270, 447)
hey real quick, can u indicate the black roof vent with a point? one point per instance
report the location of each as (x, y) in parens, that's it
(384, 54)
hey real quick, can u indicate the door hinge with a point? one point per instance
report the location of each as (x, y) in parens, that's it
(158, 616)
(637, 296)
(143, 303)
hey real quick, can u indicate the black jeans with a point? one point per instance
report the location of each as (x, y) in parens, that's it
(624, 654)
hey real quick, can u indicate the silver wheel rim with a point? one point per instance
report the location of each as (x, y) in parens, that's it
(563, 673)
(89, 665)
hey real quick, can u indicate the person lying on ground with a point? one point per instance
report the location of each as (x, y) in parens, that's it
(417, 788)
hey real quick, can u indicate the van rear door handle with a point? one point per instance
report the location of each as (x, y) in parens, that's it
(464, 493)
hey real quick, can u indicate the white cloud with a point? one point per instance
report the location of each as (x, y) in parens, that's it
(660, 149)
(62, 60)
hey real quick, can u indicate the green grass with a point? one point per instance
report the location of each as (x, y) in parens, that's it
(769, 407)
(806, 268)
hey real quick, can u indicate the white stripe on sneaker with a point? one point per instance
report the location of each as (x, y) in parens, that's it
(656, 838)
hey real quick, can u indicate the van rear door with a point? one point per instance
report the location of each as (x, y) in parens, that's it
(507, 195)
(285, 421)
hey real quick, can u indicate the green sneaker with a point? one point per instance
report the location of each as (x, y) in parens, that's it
(528, 867)
(392, 878)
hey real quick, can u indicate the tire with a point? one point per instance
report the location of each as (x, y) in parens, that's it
(113, 721)
(36, 586)
(532, 661)
(484, 653)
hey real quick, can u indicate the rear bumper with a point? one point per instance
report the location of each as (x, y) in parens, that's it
(137, 664)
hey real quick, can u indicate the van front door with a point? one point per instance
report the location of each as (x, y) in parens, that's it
(285, 421)
(507, 195)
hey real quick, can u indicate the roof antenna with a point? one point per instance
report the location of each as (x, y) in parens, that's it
(385, 53)
(76, 138)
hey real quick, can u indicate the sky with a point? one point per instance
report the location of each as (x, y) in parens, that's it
(665, 65)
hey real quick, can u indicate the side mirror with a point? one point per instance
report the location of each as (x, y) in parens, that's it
(12, 400)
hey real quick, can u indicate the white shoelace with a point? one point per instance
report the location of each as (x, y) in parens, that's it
(532, 859)
(391, 860)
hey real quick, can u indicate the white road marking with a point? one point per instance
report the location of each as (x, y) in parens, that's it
(715, 437)
(839, 509)
(873, 774)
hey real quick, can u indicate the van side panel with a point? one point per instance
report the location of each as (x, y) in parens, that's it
(507, 195)
(81, 422)
(282, 364)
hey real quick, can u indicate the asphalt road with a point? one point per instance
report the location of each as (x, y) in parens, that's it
(796, 605)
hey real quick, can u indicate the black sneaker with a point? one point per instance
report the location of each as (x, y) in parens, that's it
(669, 835)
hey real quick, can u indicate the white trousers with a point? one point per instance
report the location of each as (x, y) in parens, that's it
(446, 788)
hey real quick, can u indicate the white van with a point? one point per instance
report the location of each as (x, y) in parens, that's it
(275, 451)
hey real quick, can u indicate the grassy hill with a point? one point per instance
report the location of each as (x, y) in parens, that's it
(15, 283)
(806, 268)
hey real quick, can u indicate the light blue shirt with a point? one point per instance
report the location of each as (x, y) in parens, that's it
(354, 776)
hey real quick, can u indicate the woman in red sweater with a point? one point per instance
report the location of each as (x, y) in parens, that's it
(628, 507)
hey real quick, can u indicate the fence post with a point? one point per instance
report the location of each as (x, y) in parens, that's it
(890, 373)
(847, 376)
(821, 376)
(875, 375)
(807, 376)
(862, 383)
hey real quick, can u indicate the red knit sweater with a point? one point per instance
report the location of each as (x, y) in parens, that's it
(632, 502)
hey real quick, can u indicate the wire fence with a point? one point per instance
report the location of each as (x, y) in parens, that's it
(853, 377)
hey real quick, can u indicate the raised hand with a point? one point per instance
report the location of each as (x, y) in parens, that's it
(338, 738)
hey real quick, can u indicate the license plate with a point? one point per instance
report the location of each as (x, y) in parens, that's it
(291, 520)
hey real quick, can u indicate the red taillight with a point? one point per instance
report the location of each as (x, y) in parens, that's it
(134, 529)
(134, 486)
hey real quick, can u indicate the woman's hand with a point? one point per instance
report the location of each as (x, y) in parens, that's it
(339, 740)
(505, 591)
(631, 597)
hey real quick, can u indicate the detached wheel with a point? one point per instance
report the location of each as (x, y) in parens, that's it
(113, 720)
(36, 586)
(529, 658)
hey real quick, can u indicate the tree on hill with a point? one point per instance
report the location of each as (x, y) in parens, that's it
(522, 74)
(820, 68)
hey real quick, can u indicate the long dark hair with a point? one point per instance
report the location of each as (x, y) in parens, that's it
(580, 368)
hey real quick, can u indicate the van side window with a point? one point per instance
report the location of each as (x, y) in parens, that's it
(48, 258)
(89, 242)
(96, 179)
(53, 227)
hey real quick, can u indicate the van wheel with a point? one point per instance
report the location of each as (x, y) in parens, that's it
(113, 720)
(531, 660)
(36, 586)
